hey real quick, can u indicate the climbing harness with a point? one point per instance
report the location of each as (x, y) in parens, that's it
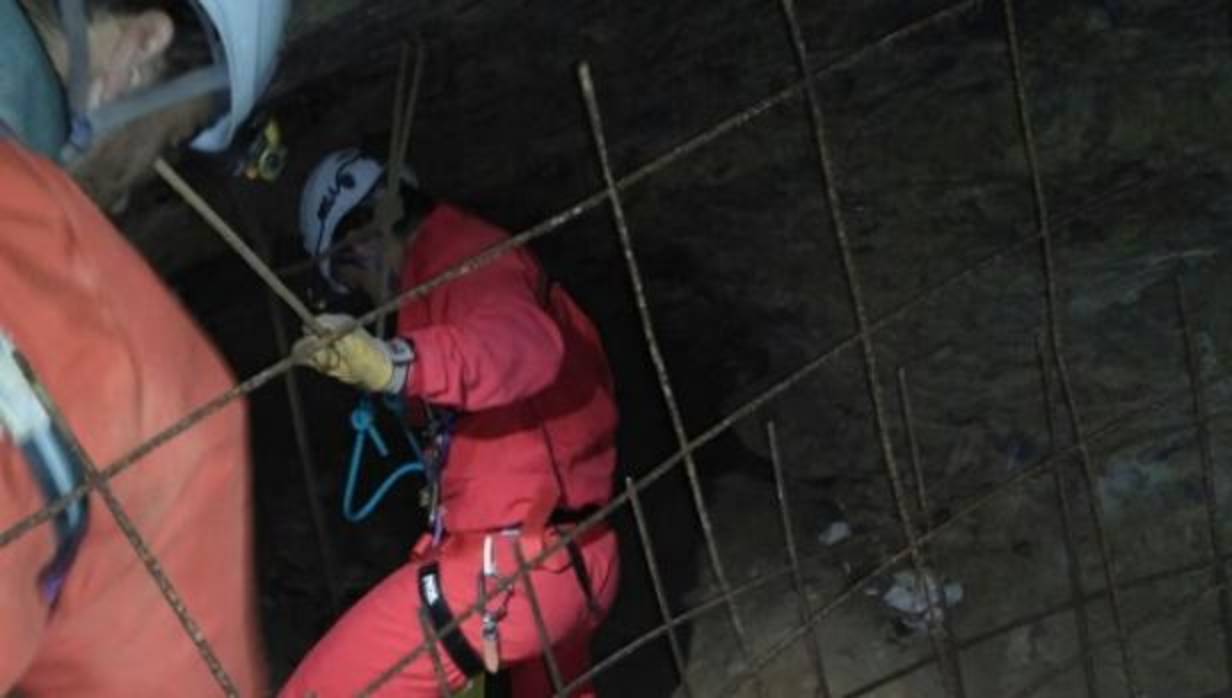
(485, 660)
(29, 419)
(430, 449)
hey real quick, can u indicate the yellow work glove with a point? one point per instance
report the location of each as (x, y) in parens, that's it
(358, 358)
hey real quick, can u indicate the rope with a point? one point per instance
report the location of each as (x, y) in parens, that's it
(215, 221)
(364, 423)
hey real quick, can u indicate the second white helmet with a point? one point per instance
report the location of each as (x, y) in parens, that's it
(341, 181)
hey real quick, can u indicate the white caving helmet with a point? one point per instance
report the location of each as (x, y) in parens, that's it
(341, 182)
(245, 37)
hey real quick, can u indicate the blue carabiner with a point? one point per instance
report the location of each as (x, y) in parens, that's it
(363, 422)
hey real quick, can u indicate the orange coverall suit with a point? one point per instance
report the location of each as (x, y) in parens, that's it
(527, 372)
(122, 360)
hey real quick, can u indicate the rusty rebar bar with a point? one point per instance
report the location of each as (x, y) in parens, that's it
(431, 641)
(308, 466)
(241, 248)
(1024, 475)
(1073, 559)
(1193, 365)
(656, 355)
(789, 537)
(299, 422)
(868, 352)
(536, 611)
(656, 581)
(940, 632)
(1057, 343)
(391, 208)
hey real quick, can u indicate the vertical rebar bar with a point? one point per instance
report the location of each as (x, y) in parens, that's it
(1073, 560)
(945, 642)
(430, 641)
(391, 208)
(656, 355)
(799, 46)
(656, 580)
(536, 612)
(299, 423)
(1210, 498)
(308, 464)
(789, 535)
(1057, 344)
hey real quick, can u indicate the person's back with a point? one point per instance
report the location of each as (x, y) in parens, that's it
(85, 84)
(123, 361)
(547, 417)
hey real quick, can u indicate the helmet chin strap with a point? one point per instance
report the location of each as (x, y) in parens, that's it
(89, 125)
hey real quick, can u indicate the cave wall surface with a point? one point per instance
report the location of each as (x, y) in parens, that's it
(1130, 104)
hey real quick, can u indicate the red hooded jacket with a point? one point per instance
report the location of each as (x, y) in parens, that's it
(525, 368)
(123, 361)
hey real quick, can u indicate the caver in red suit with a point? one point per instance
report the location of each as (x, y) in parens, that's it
(534, 444)
(123, 361)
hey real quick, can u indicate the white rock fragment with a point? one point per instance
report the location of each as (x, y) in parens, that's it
(921, 598)
(833, 524)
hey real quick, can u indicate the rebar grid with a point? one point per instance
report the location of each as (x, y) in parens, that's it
(941, 631)
(1142, 624)
(1082, 624)
(1024, 475)
(99, 479)
(1057, 346)
(558, 221)
(656, 580)
(1032, 619)
(949, 672)
(299, 423)
(656, 356)
(1193, 365)
(797, 577)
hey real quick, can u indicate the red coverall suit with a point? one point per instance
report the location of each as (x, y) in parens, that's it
(526, 369)
(122, 360)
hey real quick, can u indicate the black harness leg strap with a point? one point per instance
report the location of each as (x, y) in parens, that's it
(432, 595)
(52, 453)
(578, 563)
(567, 517)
